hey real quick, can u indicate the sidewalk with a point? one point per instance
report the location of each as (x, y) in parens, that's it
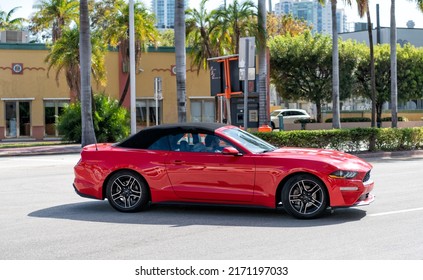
(41, 150)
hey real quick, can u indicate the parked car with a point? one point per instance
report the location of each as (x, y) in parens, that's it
(289, 116)
(220, 164)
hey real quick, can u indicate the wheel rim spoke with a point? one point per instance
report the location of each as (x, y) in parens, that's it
(306, 197)
(126, 191)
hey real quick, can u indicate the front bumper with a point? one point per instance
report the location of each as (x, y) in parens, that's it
(347, 193)
(365, 200)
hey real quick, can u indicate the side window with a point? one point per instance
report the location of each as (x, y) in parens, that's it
(190, 142)
(214, 144)
(197, 144)
(162, 144)
(176, 141)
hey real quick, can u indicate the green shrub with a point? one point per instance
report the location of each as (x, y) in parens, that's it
(349, 140)
(111, 122)
(400, 119)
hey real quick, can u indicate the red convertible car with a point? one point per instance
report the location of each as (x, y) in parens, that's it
(220, 164)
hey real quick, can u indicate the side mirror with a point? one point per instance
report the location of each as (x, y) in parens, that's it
(230, 151)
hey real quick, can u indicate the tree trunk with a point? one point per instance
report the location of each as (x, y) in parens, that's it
(394, 87)
(88, 134)
(336, 119)
(125, 91)
(263, 114)
(318, 111)
(372, 67)
(180, 53)
(379, 106)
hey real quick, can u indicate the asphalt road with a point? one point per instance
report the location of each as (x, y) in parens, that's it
(43, 219)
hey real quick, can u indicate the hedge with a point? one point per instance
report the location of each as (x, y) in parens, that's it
(349, 140)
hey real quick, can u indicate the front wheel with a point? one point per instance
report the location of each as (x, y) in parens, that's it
(126, 191)
(304, 196)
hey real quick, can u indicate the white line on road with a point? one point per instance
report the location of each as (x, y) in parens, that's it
(396, 212)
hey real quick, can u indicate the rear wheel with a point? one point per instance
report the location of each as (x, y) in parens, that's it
(126, 191)
(304, 196)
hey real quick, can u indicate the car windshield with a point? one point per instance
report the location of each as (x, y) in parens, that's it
(251, 142)
(275, 113)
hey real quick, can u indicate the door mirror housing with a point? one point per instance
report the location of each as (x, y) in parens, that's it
(231, 151)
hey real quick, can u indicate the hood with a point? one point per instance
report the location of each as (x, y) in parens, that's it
(339, 159)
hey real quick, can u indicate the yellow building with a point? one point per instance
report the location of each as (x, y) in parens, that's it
(30, 98)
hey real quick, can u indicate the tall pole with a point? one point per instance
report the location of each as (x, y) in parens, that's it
(378, 24)
(394, 86)
(132, 66)
(247, 46)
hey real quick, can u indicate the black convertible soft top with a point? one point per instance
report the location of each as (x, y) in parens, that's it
(144, 138)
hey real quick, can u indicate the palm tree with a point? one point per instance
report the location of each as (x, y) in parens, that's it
(394, 86)
(88, 134)
(261, 36)
(111, 19)
(336, 119)
(64, 57)
(55, 15)
(180, 53)
(200, 29)
(9, 23)
(363, 8)
(236, 21)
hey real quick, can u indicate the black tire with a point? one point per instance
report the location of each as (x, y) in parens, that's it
(126, 191)
(304, 196)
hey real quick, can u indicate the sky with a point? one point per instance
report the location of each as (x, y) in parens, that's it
(405, 10)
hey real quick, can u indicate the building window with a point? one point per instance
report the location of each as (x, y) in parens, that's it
(147, 112)
(203, 110)
(52, 110)
(18, 118)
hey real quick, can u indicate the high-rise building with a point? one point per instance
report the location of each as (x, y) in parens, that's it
(318, 16)
(165, 13)
(283, 7)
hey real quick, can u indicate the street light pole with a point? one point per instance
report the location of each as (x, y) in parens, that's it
(132, 66)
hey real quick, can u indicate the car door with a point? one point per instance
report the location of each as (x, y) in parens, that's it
(199, 175)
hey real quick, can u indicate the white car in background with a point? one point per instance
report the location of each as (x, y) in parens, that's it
(289, 116)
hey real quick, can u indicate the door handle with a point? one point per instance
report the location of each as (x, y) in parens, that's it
(178, 162)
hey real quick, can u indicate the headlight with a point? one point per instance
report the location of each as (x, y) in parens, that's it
(342, 174)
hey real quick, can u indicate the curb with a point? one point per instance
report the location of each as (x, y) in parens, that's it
(390, 155)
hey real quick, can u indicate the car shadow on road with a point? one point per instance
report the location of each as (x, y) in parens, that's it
(179, 216)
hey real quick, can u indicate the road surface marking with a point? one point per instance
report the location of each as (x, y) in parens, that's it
(396, 212)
